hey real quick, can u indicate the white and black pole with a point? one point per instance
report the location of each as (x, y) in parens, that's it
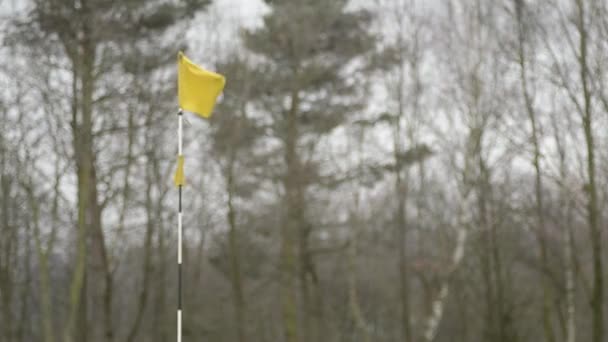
(179, 232)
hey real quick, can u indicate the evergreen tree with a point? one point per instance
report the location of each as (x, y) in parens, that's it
(312, 53)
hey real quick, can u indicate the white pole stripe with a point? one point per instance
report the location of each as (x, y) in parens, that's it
(179, 135)
(179, 325)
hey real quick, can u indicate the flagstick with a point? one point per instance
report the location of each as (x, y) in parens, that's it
(179, 235)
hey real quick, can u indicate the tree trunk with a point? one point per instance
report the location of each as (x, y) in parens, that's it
(439, 302)
(566, 206)
(595, 232)
(6, 250)
(235, 265)
(21, 331)
(160, 325)
(570, 287)
(490, 320)
(43, 260)
(546, 286)
(290, 227)
(353, 298)
(401, 226)
(352, 252)
(147, 262)
(401, 188)
(89, 216)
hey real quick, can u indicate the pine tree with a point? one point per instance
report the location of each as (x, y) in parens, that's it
(312, 52)
(234, 136)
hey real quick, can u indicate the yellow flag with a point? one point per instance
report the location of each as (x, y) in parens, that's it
(197, 88)
(179, 173)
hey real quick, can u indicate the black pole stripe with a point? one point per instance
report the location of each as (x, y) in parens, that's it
(179, 287)
(179, 265)
(179, 207)
(180, 231)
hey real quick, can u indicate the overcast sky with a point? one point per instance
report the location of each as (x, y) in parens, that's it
(247, 11)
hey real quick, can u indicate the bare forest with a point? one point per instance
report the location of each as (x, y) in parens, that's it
(378, 170)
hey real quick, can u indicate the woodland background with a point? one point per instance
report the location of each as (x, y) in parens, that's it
(387, 170)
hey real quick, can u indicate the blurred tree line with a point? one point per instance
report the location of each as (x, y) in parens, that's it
(391, 170)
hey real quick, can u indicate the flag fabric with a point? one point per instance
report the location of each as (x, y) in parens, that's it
(197, 88)
(179, 178)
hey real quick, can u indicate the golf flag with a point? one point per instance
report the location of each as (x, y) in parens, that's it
(179, 173)
(197, 88)
(197, 91)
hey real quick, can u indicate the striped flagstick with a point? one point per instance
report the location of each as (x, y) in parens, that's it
(179, 232)
(197, 91)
